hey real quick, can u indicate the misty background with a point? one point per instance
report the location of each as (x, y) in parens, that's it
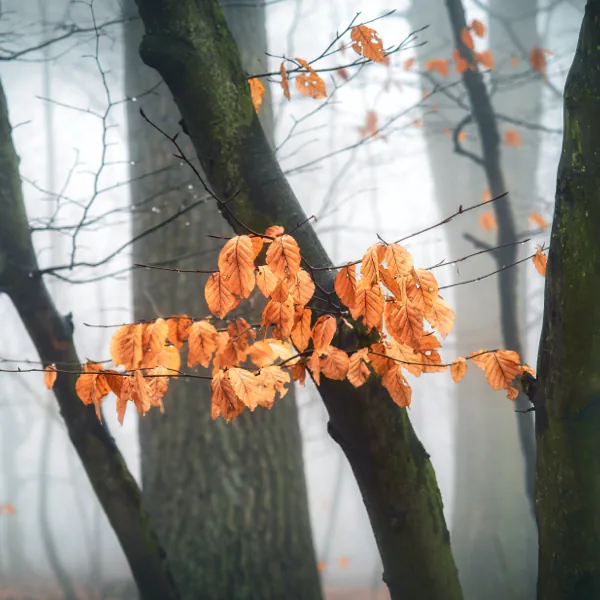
(69, 106)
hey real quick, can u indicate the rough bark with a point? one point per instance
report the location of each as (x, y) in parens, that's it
(52, 336)
(568, 389)
(491, 522)
(188, 43)
(229, 501)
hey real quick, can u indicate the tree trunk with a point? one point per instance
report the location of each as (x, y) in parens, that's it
(230, 501)
(568, 389)
(52, 336)
(491, 522)
(188, 43)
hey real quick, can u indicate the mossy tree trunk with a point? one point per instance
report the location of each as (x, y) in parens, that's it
(567, 401)
(188, 43)
(229, 501)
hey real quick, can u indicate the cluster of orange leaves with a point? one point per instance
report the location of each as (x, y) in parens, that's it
(7, 509)
(365, 42)
(485, 58)
(389, 295)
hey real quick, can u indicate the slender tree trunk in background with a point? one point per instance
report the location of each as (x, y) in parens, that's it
(568, 389)
(189, 44)
(229, 500)
(491, 524)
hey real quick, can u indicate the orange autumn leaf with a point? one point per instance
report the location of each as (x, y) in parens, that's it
(274, 231)
(273, 380)
(344, 561)
(514, 61)
(512, 137)
(284, 81)
(399, 260)
(218, 297)
(225, 402)
(485, 59)
(92, 386)
(478, 28)
(262, 354)
(301, 332)
(202, 343)
(279, 312)
(458, 368)
(241, 333)
(246, 385)
(367, 43)
(500, 367)
(310, 84)
(266, 280)
(422, 289)
(395, 284)
(299, 372)
(439, 65)
(397, 386)
(302, 287)
(236, 265)
(461, 64)
(440, 316)
(126, 346)
(368, 304)
(225, 356)
(536, 219)
(257, 91)
(323, 332)
(462, 136)
(467, 39)
(486, 195)
(540, 260)
(345, 285)
(408, 64)
(154, 336)
(178, 327)
(283, 256)
(50, 376)
(537, 59)
(369, 268)
(404, 322)
(321, 566)
(257, 244)
(358, 371)
(334, 364)
(487, 221)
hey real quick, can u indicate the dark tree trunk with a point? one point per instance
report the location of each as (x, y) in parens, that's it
(22, 281)
(187, 42)
(230, 501)
(568, 388)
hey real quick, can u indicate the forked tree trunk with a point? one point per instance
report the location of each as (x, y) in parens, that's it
(187, 41)
(229, 501)
(568, 388)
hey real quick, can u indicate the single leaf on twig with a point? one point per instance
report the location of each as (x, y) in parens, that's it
(257, 91)
(50, 376)
(236, 265)
(367, 43)
(540, 260)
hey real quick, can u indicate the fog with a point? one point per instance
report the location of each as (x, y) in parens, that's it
(68, 109)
